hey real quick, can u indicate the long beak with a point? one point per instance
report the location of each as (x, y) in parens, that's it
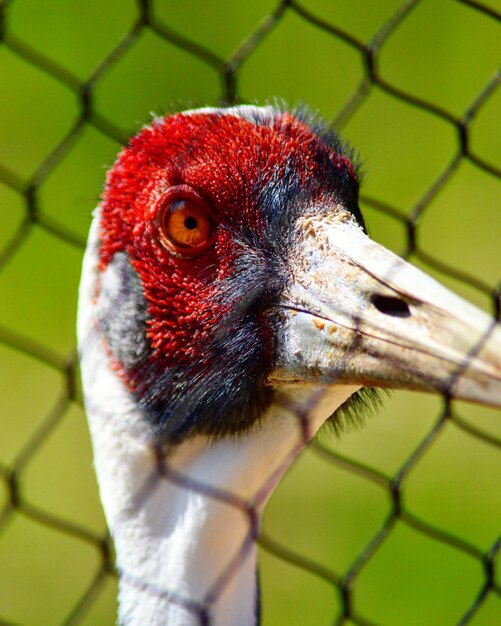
(355, 313)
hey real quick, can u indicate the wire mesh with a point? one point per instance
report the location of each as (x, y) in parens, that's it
(40, 356)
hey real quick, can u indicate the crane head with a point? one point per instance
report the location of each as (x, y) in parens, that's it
(234, 261)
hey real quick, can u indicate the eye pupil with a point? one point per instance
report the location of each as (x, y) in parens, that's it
(190, 223)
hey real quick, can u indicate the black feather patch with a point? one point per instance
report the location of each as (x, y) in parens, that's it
(355, 411)
(223, 392)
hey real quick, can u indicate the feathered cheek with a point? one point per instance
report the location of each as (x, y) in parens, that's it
(145, 245)
(227, 252)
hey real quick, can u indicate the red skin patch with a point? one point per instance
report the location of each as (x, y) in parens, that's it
(225, 159)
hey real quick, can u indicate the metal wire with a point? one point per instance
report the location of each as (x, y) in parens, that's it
(229, 70)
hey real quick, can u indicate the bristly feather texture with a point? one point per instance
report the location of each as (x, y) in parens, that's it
(203, 343)
(353, 413)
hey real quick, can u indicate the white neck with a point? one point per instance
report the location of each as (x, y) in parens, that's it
(179, 538)
(178, 544)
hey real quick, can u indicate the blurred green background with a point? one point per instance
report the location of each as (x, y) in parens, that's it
(443, 52)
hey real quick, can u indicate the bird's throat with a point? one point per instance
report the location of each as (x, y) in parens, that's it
(185, 523)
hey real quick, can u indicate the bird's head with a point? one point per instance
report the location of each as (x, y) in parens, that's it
(233, 260)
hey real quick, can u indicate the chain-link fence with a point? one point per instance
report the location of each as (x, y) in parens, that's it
(397, 523)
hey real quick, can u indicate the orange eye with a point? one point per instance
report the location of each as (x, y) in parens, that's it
(186, 226)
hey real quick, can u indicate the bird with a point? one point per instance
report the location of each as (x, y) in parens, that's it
(231, 304)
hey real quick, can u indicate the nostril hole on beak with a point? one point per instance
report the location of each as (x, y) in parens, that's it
(390, 306)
